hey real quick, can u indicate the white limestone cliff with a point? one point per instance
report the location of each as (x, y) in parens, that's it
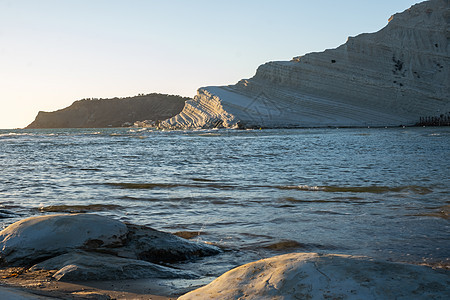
(393, 77)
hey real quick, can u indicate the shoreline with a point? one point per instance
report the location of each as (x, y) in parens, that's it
(20, 283)
(34, 286)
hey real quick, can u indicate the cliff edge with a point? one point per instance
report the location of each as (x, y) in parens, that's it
(396, 76)
(116, 112)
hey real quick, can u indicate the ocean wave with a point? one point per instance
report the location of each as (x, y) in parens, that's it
(4, 214)
(207, 199)
(291, 199)
(15, 135)
(189, 234)
(329, 212)
(139, 186)
(79, 208)
(441, 212)
(90, 169)
(150, 186)
(289, 245)
(353, 200)
(206, 183)
(284, 245)
(360, 189)
(202, 180)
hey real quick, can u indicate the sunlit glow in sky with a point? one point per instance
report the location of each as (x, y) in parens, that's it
(54, 52)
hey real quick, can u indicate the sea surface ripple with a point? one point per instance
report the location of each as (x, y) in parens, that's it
(378, 192)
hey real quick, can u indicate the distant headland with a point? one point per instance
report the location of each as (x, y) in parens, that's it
(115, 112)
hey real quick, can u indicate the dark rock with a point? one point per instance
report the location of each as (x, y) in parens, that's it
(116, 112)
(81, 265)
(92, 247)
(155, 246)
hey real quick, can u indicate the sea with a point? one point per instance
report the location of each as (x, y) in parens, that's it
(382, 193)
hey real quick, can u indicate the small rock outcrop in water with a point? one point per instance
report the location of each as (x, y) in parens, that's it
(116, 112)
(326, 276)
(393, 77)
(87, 246)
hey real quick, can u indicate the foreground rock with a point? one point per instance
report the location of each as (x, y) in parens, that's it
(16, 294)
(85, 266)
(116, 112)
(37, 238)
(315, 276)
(155, 246)
(93, 247)
(396, 76)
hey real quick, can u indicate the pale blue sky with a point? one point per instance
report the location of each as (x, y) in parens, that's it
(53, 52)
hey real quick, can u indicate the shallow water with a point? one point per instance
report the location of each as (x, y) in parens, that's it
(382, 193)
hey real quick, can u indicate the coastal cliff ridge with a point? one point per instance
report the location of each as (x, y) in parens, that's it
(115, 112)
(397, 76)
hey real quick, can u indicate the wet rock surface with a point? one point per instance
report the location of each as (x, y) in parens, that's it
(156, 246)
(87, 266)
(37, 238)
(326, 276)
(92, 247)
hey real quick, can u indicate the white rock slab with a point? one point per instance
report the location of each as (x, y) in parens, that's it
(392, 77)
(36, 238)
(326, 276)
(81, 265)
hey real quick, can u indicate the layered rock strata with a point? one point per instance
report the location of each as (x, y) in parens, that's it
(116, 112)
(393, 77)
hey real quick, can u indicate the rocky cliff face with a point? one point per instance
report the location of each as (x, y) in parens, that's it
(111, 112)
(393, 77)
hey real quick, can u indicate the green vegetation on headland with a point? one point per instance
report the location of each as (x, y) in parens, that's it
(115, 112)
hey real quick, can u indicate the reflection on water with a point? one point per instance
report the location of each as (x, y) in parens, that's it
(256, 193)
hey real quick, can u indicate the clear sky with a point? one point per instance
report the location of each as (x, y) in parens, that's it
(53, 52)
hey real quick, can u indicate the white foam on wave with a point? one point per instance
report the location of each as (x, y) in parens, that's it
(311, 188)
